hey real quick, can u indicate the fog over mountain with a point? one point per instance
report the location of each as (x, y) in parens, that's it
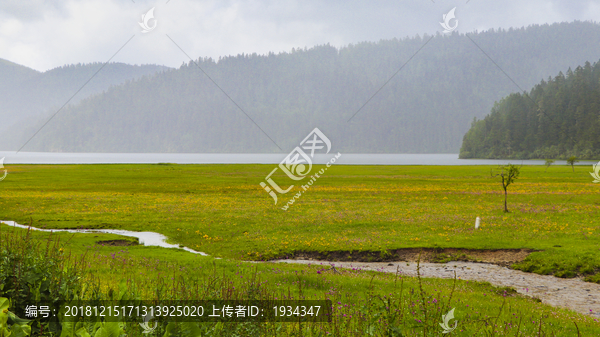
(27, 95)
(426, 108)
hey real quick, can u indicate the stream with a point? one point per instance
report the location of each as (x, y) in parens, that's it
(144, 238)
(575, 294)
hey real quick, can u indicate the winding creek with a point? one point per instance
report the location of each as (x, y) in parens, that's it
(144, 238)
(575, 294)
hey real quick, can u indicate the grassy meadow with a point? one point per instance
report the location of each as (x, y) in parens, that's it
(222, 210)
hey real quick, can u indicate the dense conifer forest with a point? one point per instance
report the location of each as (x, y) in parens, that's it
(426, 108)
(558, 118)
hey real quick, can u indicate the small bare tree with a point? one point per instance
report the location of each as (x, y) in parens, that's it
(508, 174)
(571, 161)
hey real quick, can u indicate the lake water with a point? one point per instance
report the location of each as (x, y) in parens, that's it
(252, 158)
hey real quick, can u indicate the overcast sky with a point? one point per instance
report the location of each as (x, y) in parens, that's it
(46, 34)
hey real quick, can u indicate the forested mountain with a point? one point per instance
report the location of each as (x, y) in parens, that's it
(11, 73)
(27, 94)
(558, 118)
(426, 108)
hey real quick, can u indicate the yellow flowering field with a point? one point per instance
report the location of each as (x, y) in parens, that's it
(223, 211)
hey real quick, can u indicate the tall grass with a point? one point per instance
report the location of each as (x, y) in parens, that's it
(37, 271)
(37, 267)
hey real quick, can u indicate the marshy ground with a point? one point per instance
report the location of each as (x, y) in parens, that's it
(373, 213)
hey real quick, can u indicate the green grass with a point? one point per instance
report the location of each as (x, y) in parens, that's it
(360, 298)
(222, 210)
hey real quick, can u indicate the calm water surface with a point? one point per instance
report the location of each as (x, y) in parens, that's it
(251, 158)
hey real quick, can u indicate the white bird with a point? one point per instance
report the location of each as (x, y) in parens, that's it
(477, 222)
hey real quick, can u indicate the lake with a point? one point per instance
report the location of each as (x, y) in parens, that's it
(252, 158)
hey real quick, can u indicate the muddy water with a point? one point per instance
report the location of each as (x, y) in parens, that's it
(574, 294)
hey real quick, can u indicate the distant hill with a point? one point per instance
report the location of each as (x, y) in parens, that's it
(426, 108)
(27, 94)
(558, 118)
(12, 73)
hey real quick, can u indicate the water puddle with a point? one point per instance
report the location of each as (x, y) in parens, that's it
(144, 238)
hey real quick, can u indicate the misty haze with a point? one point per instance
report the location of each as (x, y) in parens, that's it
(339, 168)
